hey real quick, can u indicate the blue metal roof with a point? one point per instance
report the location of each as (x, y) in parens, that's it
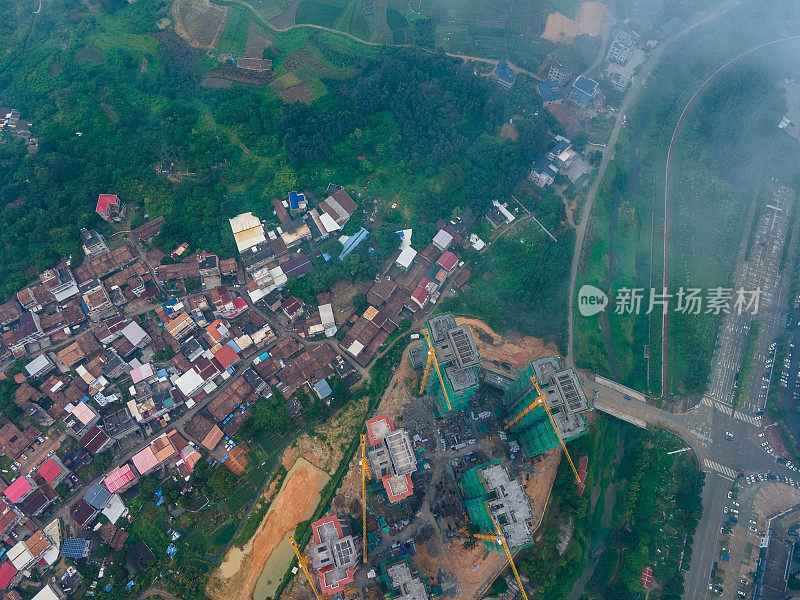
(504, 72)
(352, 242)
(295, 199)
(97, 496)
(586, 85)
(323, 388)
(549, 91)
(75, 548)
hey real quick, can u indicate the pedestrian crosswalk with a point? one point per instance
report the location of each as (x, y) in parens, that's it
(724, 408)
(747, 418)
(721, 469)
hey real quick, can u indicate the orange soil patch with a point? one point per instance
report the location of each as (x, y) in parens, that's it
(511, 348)
(509, 131)
(295, 502)
(539, 485)
(590, 22)
(474, 569)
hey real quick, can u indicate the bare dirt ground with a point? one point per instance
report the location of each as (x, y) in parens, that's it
(298, 497)
(392, 403)
(508, 352)
(509, 131)
(590, 22)
(255, 42)
(326, 449)
(540, 484)
(475, 569)
(299, 93)
(198, 21)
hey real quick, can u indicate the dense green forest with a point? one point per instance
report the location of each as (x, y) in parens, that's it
(109, 100)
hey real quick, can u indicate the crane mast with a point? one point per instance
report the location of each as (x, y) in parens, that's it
(432, 361)
(303, 561)
(541, 400)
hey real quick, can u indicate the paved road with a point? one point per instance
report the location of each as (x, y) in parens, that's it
(704, 428)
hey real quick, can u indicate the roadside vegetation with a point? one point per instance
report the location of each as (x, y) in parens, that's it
(648, 506)
(743, 388)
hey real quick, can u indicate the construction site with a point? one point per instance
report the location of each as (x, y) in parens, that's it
(442, 496)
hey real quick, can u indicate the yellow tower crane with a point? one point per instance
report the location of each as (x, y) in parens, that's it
(304, 565)
(541, 400)
(500, 539)
(432, 361)
(364, 474)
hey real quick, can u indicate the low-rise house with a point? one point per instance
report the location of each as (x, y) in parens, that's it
(297, 201)
(120, 479)
(113, 536)
(92, 242)
(82, 513)
(120, 424)
(280, 210)
(95, 440)
(41, 498)
(583, 91)
(9, 311)
(336, 210)
(80, 418)
(247, 231)
(28, 329)
(548, 90)
(543, 171)
(110, 208)
(292, 308)
(205, 431)
(52, 471)
(83, 346)
(145, 461)
(71, 315)
(222, 302)
(60, 283)
(39, 366)
(96, 301)
(179, 325)
(504, 74)
(19, 489)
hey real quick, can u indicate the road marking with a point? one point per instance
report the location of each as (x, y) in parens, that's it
(747, 418)
(720, 469)
(756, 421)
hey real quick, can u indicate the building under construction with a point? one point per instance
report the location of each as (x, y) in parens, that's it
(490, 495)
(527, 421)
(402, 581)
(391, 457)
(451, 375)
(333, 554)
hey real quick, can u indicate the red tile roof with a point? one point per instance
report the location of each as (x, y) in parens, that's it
(104, 201)
(226, 356)
(50, 471)
(17, 489)
(7, 572)
(447, 260)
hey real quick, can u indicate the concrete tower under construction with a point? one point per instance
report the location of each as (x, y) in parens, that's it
(458, 363)
(527, 421)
